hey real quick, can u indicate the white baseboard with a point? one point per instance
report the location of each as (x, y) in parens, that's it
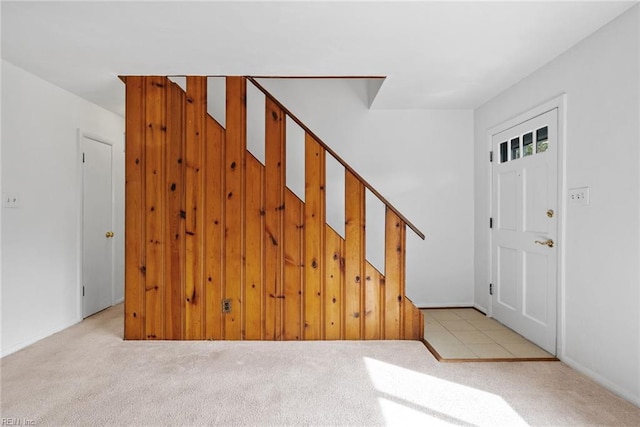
(614, 388)
(32, 340)
(118, 301)
(480, 308)
(442, 305)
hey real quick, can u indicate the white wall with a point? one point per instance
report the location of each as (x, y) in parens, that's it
(40, 284)
(600, 300)
(420, 160)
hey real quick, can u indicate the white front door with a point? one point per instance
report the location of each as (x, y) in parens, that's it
(97, 259)
(525, 228)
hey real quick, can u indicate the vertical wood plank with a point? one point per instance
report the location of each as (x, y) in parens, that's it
(407, 319)
(174, 193)
(274, 218)
(134, 210)
(195, 112)
(314, 225)
(373, 295)
(394, 272)
(420, 329)
(293, 272)
(354, 256)
(155, 206)
(413, 328)
(334, 272)
(255, 244)
(235, 148)
(213, 229)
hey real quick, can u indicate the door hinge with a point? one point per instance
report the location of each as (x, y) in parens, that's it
(82, 157)
(83, 291)
(490, 288)
(491, 156)
(491, 222)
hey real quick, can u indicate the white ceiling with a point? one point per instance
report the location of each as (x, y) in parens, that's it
(434, 54)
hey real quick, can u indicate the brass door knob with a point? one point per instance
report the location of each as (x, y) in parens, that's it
(549, 243)
(109, 234)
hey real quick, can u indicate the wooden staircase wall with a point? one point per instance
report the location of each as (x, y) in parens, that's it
(207, 222)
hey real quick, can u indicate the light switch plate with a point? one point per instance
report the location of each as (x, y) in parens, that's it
(579, 196)
(10, 200)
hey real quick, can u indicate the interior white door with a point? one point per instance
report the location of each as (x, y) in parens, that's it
(525, 228)
(97, 235)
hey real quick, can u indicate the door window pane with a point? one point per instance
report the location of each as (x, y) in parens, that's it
(527, 144)
(542, 140)
(515, 148)
(504, 152)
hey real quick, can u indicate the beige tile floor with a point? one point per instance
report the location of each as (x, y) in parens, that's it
(465, 333)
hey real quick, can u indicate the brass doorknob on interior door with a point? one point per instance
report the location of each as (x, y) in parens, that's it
(109, 234)
(545, 243)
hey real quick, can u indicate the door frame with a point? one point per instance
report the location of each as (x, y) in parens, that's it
(558, 103)
(80, 135)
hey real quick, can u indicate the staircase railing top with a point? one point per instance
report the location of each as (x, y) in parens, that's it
(336, 156)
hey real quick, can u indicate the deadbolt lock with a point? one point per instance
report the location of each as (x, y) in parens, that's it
(550, 213)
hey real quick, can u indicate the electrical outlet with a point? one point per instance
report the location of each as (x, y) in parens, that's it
(579, 196)
(10, 200)
(226, 305)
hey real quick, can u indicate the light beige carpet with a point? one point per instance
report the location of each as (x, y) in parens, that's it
(87, 376)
